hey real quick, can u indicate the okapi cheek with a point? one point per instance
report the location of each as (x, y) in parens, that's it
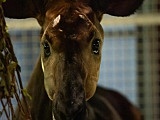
(48, 82)
(90, 87)
(49, 85)
(92, 79)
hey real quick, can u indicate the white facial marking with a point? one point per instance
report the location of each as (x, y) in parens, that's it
(82, 16)
(56, 20)
(42, 64)
(53, 118)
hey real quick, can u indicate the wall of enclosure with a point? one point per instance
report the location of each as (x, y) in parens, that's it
(130, 60)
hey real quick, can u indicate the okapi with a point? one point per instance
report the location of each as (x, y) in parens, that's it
(63, 84)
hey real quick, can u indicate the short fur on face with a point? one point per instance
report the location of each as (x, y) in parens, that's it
(70, 36)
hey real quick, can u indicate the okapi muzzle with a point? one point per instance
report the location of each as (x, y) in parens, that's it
(70, 94)
(70, 76)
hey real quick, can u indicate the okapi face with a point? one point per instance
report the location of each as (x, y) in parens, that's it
(71, 52)
(70, 55)
(70, 45)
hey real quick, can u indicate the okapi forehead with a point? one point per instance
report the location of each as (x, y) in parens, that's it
(75, 18)
(71, 27)
(77, 27)
(67, 9)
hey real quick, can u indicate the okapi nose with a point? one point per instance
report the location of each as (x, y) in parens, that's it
(70, 104)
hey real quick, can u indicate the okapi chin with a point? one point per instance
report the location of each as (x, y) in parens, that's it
(64, 82)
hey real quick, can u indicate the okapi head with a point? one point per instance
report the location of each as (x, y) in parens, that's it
(71, 43)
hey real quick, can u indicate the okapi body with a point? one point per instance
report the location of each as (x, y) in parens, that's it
(63, 85)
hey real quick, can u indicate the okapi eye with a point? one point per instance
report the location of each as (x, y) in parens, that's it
(46, 49)
(95, 46)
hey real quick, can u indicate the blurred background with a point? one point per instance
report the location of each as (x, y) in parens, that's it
(131, 55)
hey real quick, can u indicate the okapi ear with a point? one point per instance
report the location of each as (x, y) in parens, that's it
(116, 7)
(22, 8)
